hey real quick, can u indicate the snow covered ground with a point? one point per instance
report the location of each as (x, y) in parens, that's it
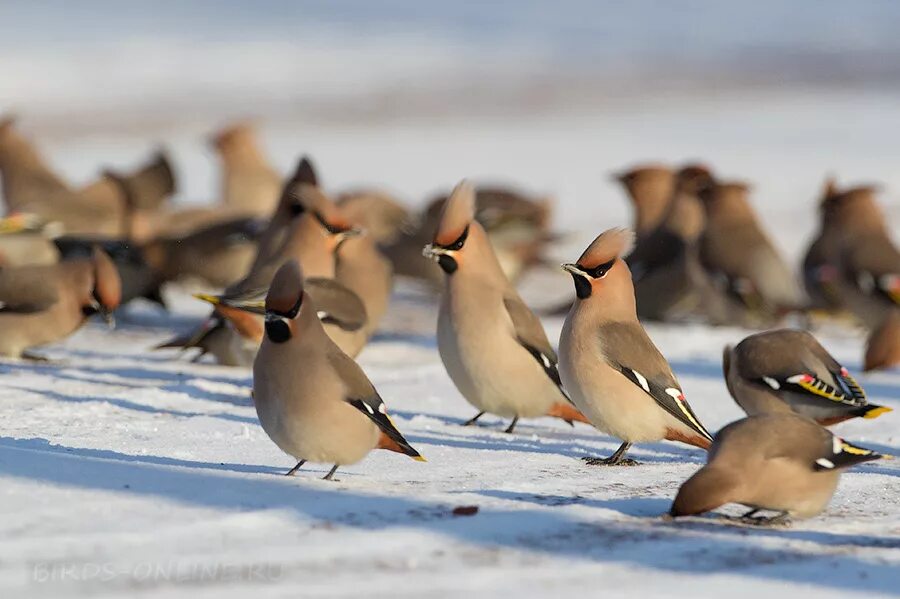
(130, 473)
(126, 472)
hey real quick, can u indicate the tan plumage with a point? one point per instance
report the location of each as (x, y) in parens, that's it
(780, 462)
(736, 251)
(493, 346)
(249, 183)
(146, 190)
(785, 370)
(612, 370)
(883, 344)
(382, 217)
(326, 411)
(31, 186)
(650, 188)
(43, 304)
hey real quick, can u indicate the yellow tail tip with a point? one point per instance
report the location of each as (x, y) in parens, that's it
(420, 458)
(212, 299)
(878, 412)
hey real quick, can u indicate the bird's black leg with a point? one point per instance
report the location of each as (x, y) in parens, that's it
(512, 425)
(473, 420)
(293, 470)
(330, 473)
(616, 459)
(750, 513)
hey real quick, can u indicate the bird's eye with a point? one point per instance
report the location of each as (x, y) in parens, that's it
(297, 209)
(600, 271)
(333, 229)
(460, 241)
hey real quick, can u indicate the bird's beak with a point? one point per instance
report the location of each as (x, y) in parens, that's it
(573, 269)
(254, 305)
(434, 252)
(348, 234)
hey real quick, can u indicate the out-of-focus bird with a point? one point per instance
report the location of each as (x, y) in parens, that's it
(820, 263)
(493, 346)
(518, 227)
(146, 191)
(249, 183)
(739, 255)
(867, 260)
(312, 399)
(883, 344)
(306, 227)
(379, 214)
(779, 462)
(614, 373)
(787, 370)
(43, 304)
(30, 186)
(650, 188)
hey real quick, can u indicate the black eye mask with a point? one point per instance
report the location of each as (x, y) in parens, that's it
(334, 230)
(583, 285)
(277, 329)
(459, 243)
(296, 209)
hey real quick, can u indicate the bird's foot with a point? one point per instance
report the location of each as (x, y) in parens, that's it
(780, 521)
(610, 461)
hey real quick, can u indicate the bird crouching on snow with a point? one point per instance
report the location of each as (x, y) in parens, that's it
(779, 462)
(493, 346)
(608, 364)
(44, 304)
(785, 371)
(326, 410)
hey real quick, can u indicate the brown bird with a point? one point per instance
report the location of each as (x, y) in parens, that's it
(382, 217)
(146, 191)
(30, 186)
(614, 373)
(249, 183)
(325, 410)
(43, 304)
(788, 370)
(493, 346)
(739, 255)
(779, 462)
(650, 188)
(820, 263)
(883, 345)
(868, 262)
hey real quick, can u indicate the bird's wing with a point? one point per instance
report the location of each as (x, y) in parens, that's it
(876, 268)
(531, 335)
(627, 349)
(846, 392)
(361, 394)
(842, 454)
(28, 289)
(336, 304)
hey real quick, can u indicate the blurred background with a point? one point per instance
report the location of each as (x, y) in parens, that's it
(413, 95)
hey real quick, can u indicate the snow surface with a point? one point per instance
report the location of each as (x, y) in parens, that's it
(131, 473)
(126, 472)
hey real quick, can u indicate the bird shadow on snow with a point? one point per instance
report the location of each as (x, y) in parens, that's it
(643, 542)
(127, 404)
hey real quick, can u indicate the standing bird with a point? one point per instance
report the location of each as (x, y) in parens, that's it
(650, 188)
(609, 365)
(785, 371)
(820, 263)
(249, 183)
(737, 252)
(883, 344)
(493, 346)
(43, 304)
(867, 260)
(326, 410)
(779, 462)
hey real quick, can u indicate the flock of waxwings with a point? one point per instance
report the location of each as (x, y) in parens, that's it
(307, 277)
